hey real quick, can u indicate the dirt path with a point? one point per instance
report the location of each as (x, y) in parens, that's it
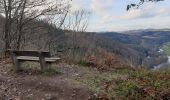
(38, 87)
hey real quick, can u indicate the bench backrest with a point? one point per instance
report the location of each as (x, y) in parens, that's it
(30, 53)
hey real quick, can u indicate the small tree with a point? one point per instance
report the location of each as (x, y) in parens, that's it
(77, 22)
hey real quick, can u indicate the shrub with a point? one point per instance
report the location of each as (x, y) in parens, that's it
(85, 63)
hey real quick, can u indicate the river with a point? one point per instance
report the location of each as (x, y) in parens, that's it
(160, 65)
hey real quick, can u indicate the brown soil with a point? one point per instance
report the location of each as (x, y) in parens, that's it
(30, 86)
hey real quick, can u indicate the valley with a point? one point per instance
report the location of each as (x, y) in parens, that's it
(147, 43)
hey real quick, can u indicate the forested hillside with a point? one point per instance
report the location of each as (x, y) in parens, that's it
(132, 48)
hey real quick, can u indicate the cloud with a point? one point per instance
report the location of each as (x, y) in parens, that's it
(112, 14)
(155, 23)
(101, 7)
(146, 11)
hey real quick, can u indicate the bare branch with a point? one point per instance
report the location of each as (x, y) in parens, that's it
(141, 2)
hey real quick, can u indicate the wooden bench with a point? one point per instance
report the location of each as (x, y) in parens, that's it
(43, 57)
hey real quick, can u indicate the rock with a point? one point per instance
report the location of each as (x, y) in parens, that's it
(17, 98)
(40, 83)
(29, 96)
(15, 89)
(28, 90)
(19, 93)
(48, 96)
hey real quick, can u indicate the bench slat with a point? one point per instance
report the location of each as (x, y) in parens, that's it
(30, 58)
(30, 53)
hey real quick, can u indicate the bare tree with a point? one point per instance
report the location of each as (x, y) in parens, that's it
(77, 22)
(18, 13)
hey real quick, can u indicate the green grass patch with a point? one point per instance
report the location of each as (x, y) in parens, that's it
(166, 48)
(145, 84)
(34, 68)
(51, 72)
(127, 90)
(30, 66)
(83, 63)
(98, 82)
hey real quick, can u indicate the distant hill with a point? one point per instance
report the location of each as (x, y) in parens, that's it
(124, 38)
(147, 38)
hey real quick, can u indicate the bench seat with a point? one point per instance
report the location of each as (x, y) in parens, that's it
(31, 58)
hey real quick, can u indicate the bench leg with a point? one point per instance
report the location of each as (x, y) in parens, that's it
(42, 63)
(16, 63)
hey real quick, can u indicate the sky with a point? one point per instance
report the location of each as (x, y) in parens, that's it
(111, 15)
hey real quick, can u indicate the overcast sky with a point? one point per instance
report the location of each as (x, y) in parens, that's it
(111, 15)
